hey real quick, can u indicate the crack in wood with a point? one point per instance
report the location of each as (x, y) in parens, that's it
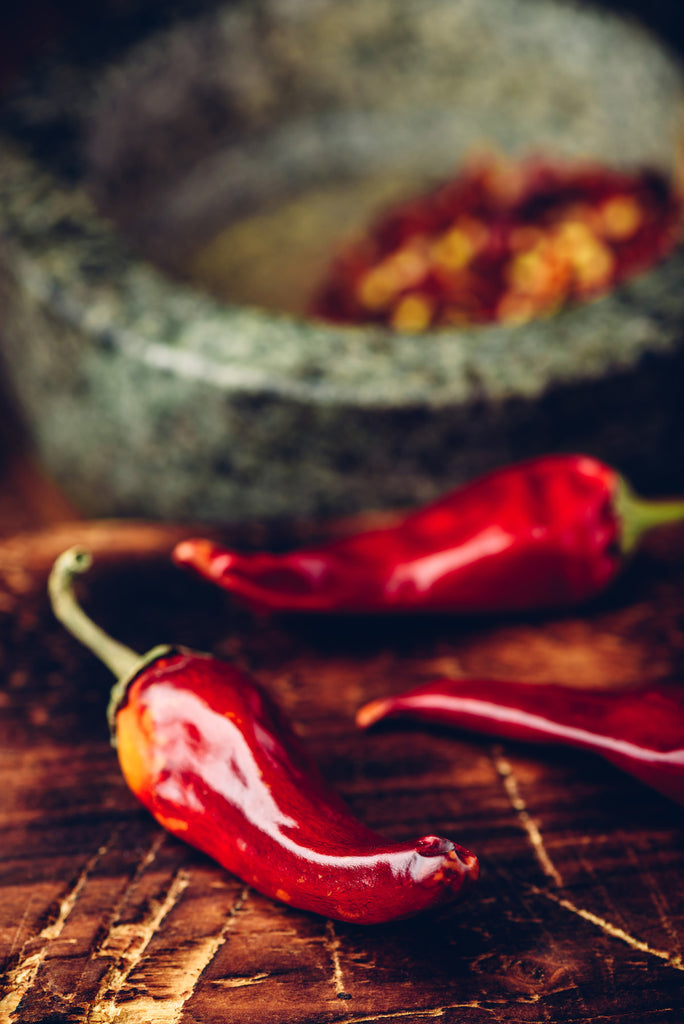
(600, 888)
(432, 1012)
(20, 926)
(674, 960)
(21, 978)
(185, 976)
(332, 945)
(118, 937)
(656, 895)
(435, 1012)
(104, 1008)
(510, 784)
(243, 982)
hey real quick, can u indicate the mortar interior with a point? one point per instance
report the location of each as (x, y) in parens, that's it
(241, 150)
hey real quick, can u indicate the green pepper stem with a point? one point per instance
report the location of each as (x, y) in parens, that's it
(122, 661)
(118, 658)
(639, 515)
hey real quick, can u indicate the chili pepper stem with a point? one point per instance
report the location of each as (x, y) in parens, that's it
(121, 660)
(639, 515)
(118, 658)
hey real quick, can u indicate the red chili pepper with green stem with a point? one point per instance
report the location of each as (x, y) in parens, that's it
(640, 731)
(550, 532)
(214, 760)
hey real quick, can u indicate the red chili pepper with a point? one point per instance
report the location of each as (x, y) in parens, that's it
(213, 759)
(639, 731)
(550, 532)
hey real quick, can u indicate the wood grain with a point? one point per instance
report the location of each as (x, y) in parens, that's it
(579, 915)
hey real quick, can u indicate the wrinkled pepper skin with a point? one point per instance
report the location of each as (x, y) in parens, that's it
(640, 731)
(546, 533)
(214, 761)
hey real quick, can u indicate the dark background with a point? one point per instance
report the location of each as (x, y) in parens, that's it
(102, 28)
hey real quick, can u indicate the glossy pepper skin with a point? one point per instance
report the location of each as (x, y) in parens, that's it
(550, 532)
(640, 731)
(214, 760)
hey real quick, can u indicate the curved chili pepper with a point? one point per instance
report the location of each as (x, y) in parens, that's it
(549, 532)
(640, 731)
(214, 760)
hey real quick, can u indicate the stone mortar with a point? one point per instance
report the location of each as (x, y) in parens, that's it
(148, 396)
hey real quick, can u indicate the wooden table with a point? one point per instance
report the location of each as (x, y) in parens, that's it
(579, 913)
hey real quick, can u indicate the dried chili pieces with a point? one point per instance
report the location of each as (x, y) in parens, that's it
(640, 731)
(549, 532)
(502, 242)
(214, 760)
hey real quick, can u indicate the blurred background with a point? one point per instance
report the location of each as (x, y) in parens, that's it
(94, 33)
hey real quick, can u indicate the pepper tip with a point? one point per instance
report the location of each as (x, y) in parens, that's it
(200, 554)
(184, 552)
(372, 712)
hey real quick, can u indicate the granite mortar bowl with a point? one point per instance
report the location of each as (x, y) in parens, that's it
(260, 133)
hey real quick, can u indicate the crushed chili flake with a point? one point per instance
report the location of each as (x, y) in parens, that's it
(503, 242)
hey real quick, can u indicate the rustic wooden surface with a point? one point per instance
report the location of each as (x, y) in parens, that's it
(579, 914)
